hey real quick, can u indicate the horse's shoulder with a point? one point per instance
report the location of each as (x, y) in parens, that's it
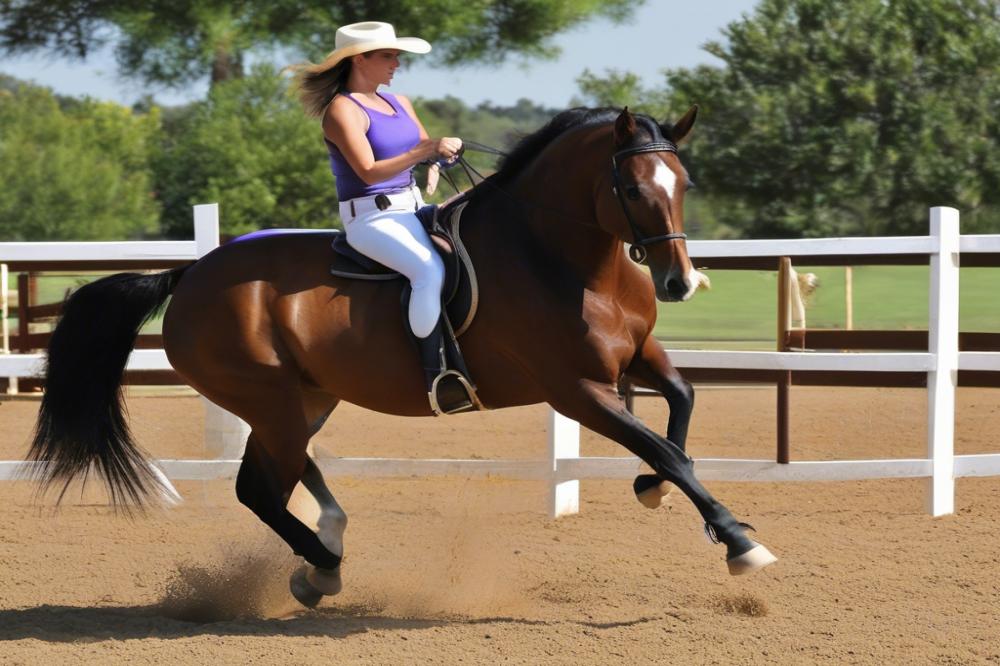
(635, 289)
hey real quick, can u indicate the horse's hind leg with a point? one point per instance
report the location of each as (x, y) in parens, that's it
(274, 462)
(264, 485)
(316, 507)
(598, 407)
(652, 369)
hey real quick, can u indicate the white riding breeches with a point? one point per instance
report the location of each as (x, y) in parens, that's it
(395, 238)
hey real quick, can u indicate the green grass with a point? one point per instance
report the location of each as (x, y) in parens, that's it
(740, 311)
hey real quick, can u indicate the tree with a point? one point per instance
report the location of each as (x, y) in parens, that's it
(78, 172)
(851, 117)
(620, 89)
(173, 42)
(250, 148)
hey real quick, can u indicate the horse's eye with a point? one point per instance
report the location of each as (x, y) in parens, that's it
(632, 192)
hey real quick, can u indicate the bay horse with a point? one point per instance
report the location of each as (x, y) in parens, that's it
(262, 329)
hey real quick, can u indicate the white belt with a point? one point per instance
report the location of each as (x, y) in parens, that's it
(408, 199)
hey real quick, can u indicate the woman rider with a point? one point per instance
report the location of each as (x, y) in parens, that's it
(374, 140)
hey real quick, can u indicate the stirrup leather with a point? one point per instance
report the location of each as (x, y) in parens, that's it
(467, 400)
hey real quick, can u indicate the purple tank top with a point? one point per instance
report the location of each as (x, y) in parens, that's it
(389, 135)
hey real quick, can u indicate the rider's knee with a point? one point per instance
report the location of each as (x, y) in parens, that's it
(423, 322)
(431, 278)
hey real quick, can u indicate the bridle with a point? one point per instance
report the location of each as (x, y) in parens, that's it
(637, 250)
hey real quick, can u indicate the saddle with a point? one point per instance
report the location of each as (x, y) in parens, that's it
(453, 390)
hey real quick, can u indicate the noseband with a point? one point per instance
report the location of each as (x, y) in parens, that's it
(637, 251)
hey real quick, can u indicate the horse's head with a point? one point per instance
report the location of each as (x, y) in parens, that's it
(645, 205)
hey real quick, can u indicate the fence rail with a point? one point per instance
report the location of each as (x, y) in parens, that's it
(937, 368)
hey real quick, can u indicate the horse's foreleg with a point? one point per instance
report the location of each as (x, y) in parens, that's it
(598, 407)
(652, 369)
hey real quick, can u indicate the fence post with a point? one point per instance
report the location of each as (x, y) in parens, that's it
(784, 383)
(206, 228)
(564, 442)
(4, 324)
(225, 434)
(849, 298)
(4, 311)
(943, 346)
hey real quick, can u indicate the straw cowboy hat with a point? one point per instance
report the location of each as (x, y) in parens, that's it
(369, 36)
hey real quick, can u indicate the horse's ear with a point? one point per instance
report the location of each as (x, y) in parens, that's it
(683, 126)
(624, 127)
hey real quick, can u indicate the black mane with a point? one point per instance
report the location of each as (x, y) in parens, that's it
(529, 147)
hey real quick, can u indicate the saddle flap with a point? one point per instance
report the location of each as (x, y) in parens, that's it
(348, 262)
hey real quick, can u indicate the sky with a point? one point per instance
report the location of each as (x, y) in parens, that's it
(662, 34)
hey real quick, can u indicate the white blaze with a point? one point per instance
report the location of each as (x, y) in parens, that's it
(665, 178)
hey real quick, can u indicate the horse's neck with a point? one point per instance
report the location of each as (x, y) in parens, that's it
(558, 215)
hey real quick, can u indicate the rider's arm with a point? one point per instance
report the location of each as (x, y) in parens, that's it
(452, 144)
(406, 104)
(345, 125)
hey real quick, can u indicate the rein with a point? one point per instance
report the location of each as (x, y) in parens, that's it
(637, 249)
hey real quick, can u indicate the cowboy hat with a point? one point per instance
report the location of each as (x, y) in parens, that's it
(369, 36)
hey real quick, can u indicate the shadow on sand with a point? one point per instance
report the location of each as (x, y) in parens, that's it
(78, 623)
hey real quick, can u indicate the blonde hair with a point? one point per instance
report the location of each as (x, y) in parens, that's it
(318, 86)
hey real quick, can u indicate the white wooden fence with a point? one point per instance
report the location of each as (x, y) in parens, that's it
(563, 468)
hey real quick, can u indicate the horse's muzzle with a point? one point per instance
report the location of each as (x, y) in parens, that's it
(676, 286)
(673, 289)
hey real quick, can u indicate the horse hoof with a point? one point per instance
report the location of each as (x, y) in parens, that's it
(756, 558)
(326, 581)
(303, 590)
(651, 489)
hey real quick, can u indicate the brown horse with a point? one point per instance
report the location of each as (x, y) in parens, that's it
(262, 329)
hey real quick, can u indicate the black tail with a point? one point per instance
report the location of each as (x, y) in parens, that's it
(82, 417)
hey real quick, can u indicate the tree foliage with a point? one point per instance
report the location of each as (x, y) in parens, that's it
(174, 42)
(77, 172)
(619, 89)
(76, 169)
(844, 118)
(250, 148)
(853, 117)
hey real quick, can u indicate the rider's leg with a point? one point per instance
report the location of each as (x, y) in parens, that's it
(398, 240)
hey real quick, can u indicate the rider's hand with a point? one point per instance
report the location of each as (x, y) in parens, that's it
(448, 146)
(445, 148)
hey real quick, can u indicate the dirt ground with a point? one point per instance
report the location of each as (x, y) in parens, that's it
(451, 570)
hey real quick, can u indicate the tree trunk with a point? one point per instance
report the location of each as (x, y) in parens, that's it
(226, 66)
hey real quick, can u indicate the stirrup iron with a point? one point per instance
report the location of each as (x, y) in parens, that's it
(458, 394)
